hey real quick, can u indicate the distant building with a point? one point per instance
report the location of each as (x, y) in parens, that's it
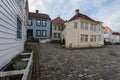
(115, 38)
(107, 35)
(39, 26)
(13, 22)
(57, 26)
(82, 31)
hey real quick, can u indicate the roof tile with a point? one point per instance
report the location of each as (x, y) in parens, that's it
(58, 20)
(38, 15)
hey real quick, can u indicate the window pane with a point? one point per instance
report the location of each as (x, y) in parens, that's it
(55, 27)
(94, 28)
(59, 27)
(91, 27)
(44, 33)
(86, 26)
(55, 35)
(59, 35)
(38, 33)
(82, 38)
(30, 22)
(86, 37)
(38, 22)
(44, 23)
(19, 28)
(82, 25)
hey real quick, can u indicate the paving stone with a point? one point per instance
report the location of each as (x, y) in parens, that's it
(55, 63)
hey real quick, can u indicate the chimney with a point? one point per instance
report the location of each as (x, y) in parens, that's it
(37, 11)
(76, 11)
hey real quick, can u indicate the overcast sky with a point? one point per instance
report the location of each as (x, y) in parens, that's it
(107, 11)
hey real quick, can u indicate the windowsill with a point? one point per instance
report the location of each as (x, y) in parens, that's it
(38, 25)
(29, 25)
(18, 39)
(43, 26)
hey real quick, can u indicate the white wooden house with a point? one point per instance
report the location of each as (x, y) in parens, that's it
(82, 31)
(13, 18)
(107, 35)
(57, 26)
(115, 38)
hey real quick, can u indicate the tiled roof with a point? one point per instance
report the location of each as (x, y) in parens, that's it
(76, 16)
(38, 15)
(107, 29)
(58, 20)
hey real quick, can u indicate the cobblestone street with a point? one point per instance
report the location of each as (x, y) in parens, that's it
(57, 63)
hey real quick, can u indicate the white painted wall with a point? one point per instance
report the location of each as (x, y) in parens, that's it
(115, 39)
(108, 36)
(73, 36)
(10, 46)
(56, 31)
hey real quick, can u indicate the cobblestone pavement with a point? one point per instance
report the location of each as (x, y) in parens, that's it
(57, 63)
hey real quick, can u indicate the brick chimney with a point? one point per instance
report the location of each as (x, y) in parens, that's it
(76, 11)
(37, 11)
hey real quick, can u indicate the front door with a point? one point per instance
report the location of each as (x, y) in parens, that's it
(29, 33)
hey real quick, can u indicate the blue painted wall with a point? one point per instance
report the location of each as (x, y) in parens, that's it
(34, 27)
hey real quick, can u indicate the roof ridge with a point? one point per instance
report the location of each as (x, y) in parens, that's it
(80, 15)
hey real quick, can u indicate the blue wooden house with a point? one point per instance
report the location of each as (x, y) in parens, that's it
(39, 26)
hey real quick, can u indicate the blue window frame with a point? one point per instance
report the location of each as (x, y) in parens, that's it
(29, 22)
(44, 33)
(38, 22)
(44, 23)
(19, 28)
(38, 33)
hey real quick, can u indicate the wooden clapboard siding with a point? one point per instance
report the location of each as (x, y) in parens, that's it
(10, 46)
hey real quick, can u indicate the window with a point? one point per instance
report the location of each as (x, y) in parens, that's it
(59, 27)
(84, 38)
(86, 26)
(38, 33)
(93, 38)
(91, 27)
(94, 27)
(99, 37)
(99, 28)
(38, 22)
(44, 33)
(30, 22)
(82, 25)
(19, 28)
(55, 27)
(55, 35)
(44, 23)
(75, 25)
(59, 35)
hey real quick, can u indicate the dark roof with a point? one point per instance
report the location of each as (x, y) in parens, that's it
(58, 20)
(81, 16)
(38, 15)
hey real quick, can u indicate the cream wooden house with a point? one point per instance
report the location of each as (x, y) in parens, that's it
(82, 31)
(57, 26)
